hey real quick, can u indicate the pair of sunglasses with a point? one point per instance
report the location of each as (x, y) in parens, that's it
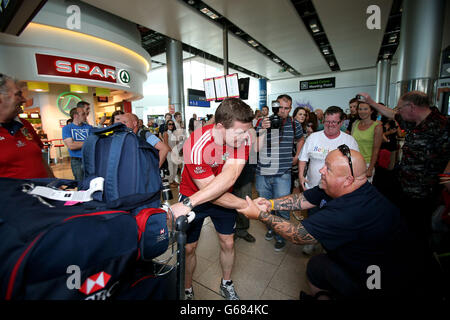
(345, 150)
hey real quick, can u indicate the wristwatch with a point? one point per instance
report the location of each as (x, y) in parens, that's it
(187, 203)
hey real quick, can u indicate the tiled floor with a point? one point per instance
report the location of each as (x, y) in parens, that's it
(259, 271)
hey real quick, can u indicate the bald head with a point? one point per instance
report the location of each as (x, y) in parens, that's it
(336, 176)
(130, 120)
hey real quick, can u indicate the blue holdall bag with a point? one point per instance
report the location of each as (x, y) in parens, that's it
(98, 249)
(129, 165)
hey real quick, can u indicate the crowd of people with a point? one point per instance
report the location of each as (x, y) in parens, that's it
(364, 205)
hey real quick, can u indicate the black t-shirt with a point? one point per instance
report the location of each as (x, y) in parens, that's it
(358, 230)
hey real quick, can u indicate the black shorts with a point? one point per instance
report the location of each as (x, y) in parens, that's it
(224, 220)
(326, 274)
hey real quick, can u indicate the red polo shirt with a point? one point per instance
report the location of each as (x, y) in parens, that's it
(203, 158)
(21, 155)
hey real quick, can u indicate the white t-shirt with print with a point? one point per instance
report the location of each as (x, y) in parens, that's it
(316, 148)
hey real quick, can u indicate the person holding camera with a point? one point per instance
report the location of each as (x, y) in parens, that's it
(277, 134)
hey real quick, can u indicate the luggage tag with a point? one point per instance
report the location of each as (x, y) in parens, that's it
(71, 197)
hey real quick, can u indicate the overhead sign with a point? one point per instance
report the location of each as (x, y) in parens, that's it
(197, 98)
(64, 67)
(323, 83)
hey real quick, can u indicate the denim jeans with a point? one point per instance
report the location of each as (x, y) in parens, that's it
(77, 168)
(272, 187)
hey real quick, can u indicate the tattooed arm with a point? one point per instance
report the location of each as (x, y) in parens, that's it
(295, 201)
(295, 234)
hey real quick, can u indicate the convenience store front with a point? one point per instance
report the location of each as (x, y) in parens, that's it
(102, 63)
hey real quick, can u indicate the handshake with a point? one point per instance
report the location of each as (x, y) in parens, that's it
(255, 207)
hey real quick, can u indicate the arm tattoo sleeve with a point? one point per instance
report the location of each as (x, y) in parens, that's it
(295, 234)
(290, 202)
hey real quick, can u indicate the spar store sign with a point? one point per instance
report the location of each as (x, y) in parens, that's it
(64, 67)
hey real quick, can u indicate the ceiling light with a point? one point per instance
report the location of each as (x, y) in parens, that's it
(38, 86)
(393, 38)
(209, 13)
(78, 88)
(253, 43)
(102, 92)
(325, 51)
(313, 25)
(276, 60)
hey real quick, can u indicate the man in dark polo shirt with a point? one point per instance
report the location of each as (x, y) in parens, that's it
(362, 232)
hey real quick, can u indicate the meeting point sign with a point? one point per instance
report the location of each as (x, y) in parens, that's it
(64, 67)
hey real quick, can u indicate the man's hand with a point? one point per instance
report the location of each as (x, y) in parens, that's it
(302, 180)
(263, 204)
(179, 209)
(252, 211)
(367, 98)
(265, 124)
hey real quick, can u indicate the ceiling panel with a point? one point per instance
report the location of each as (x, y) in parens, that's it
(344, 21)
(277, 26)
(177, 20)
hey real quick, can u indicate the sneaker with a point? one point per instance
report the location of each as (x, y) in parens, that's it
(269, 235)
(189, 294)
(227, 291)
(247, 237)
(279, 245)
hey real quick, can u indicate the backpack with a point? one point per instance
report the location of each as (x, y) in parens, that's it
(129, 165)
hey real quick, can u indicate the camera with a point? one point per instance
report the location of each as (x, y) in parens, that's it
(360, 98)
(275, 120)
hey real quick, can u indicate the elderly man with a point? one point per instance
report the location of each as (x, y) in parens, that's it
(21, 155)
(361, 231)
(132, 121)
(425, 154)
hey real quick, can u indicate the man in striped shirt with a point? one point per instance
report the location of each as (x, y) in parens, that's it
(273, 172)
(214, 156)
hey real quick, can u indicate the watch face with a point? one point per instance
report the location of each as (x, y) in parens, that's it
(187, 202)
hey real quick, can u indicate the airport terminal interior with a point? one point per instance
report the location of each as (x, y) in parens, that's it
(155, 57)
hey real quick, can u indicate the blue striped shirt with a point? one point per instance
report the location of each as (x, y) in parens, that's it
(277, 159)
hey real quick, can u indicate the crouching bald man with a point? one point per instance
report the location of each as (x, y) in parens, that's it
(361, 231)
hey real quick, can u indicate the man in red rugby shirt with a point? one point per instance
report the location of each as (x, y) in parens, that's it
(21, 155)
(214, 156)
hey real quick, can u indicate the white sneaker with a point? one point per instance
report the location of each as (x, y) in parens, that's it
(189, 295)
(227, 291)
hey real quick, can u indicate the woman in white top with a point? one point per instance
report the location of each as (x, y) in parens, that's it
(169, 139)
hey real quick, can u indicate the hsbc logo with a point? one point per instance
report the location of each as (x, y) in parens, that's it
(94, 283)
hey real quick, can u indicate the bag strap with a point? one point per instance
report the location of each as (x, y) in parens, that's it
(88, 151)
(111, 180)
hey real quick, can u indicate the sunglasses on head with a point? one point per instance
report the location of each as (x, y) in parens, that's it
(345, 150)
